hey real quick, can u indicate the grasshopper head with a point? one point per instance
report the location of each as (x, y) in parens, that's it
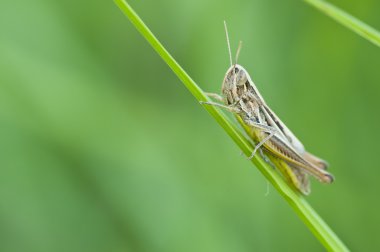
(235, 84)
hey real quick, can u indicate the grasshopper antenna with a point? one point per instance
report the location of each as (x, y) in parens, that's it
(238, 51)
(228, 42)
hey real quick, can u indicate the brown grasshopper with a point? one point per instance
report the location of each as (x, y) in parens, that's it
(241, 97)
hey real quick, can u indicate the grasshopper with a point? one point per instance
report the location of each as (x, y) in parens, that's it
(241, 97)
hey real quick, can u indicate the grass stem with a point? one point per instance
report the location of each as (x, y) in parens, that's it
(300, 206)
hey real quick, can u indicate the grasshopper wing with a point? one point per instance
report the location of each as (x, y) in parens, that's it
(315, 160)
(284, 151)
(293, 140)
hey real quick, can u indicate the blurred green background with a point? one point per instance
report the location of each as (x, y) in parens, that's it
(103, 149)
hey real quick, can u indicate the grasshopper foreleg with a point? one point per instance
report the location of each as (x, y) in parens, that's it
(232, 109)
(215, 96)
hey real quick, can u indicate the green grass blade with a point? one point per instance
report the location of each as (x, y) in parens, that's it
(318, 227)
(347, 20)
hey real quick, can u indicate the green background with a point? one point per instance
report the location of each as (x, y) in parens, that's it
(103, 149)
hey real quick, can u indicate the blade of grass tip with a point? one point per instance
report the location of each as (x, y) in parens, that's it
(318, 227)
(347, 20)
